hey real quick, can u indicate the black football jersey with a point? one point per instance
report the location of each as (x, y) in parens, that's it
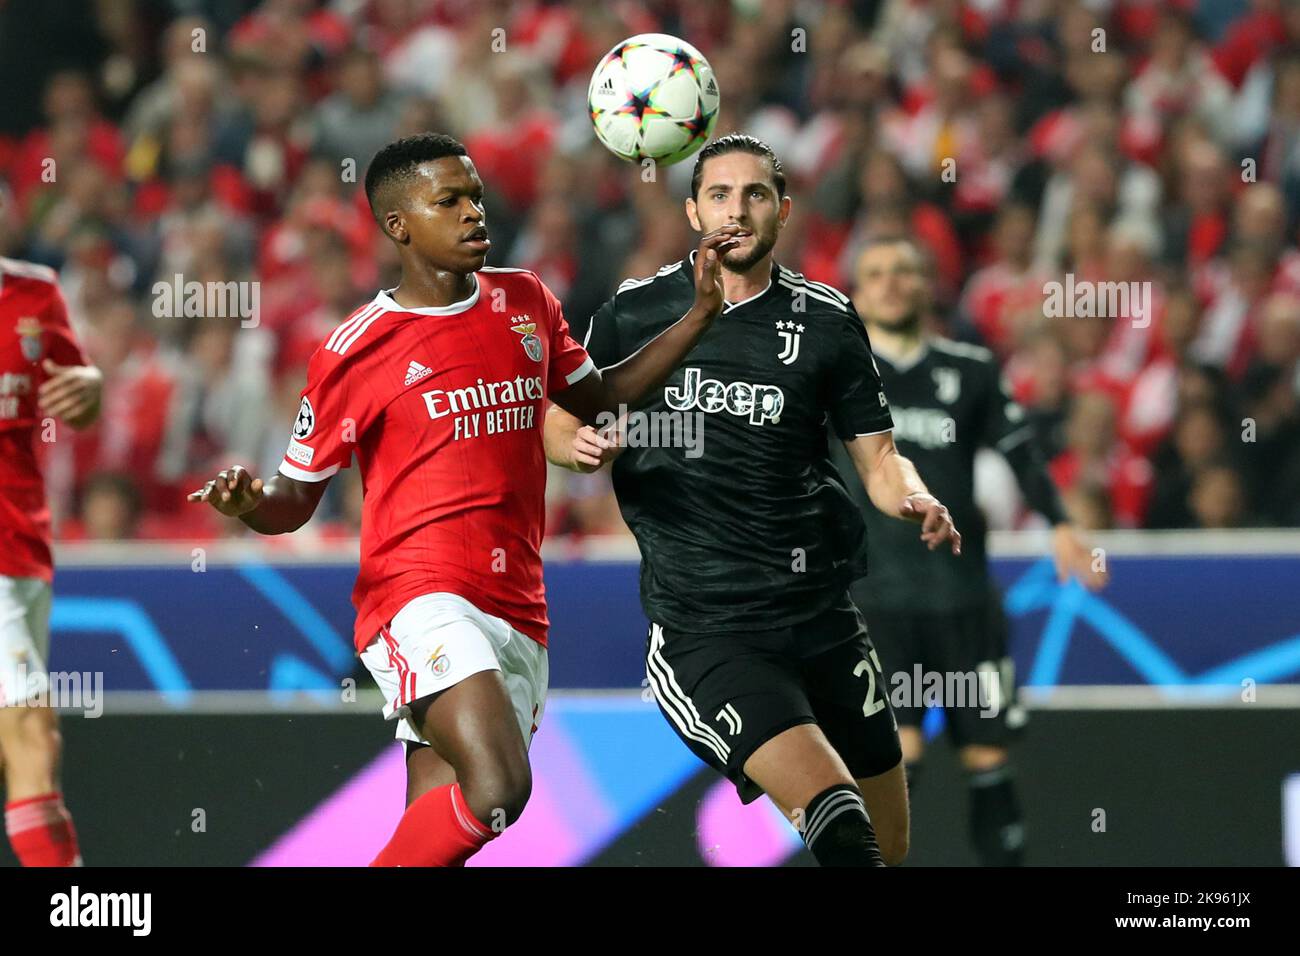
(946, 403)
(749, 526)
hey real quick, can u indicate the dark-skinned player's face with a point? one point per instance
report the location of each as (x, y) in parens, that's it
(439, 216)
(890, 286)
(738, 187)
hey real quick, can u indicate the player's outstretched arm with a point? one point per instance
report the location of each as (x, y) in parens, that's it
(646, 369)
(71, 393)
(897, 490)
(277, 506)
(575, 446)
(1007, 431)
(1074, 558)
(1070, 553)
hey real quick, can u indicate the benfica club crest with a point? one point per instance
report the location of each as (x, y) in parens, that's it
(29, 337)
(532, 344)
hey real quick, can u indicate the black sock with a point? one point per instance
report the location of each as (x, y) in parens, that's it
(997, 829)
(838, 831)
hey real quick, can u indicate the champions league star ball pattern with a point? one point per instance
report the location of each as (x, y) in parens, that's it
(653, 97)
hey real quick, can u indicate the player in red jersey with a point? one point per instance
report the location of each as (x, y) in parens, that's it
(438, 387)
(43, 376)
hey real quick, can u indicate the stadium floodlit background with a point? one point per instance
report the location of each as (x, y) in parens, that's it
(148, 141)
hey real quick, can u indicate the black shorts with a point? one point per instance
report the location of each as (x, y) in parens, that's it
(956, 660)
(728, 694)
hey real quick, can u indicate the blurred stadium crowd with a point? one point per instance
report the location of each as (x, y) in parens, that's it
(221, 140)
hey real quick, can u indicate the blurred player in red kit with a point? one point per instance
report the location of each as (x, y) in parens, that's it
(43, 375)
(439, 388)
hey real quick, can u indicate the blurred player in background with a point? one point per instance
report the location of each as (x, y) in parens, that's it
(925, 607)
(756, 655)
(43, 375)
(438, 387)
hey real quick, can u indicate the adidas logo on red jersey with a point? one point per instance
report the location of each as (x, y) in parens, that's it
(415, 371)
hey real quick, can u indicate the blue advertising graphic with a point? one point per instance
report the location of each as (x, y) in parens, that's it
(149, 624)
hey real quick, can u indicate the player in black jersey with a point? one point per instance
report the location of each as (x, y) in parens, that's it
(931, 614)
(756, 654)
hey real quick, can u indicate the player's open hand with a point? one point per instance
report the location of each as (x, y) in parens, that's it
(233, 492)
(71, 393)
(936, 522)
(592, 448)
(709, 295)
(1073, 558)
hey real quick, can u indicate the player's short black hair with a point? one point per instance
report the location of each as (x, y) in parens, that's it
(397, 161)
(738, 143)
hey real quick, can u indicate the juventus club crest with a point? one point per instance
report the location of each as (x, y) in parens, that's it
(947, 384)
(731, 718)
(29, 337)
(531, 343)
(790, 333)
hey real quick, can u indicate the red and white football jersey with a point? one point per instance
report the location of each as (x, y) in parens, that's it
(443, 408)
(33, 327)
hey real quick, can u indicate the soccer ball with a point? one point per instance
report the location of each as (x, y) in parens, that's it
(653, 97)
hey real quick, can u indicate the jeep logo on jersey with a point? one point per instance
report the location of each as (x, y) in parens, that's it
(532, 344)
(790, 333)
(761, 403)
(305, 423)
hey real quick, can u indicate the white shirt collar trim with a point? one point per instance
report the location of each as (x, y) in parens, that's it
(385, 301)
(912, 363)
(728, 306)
